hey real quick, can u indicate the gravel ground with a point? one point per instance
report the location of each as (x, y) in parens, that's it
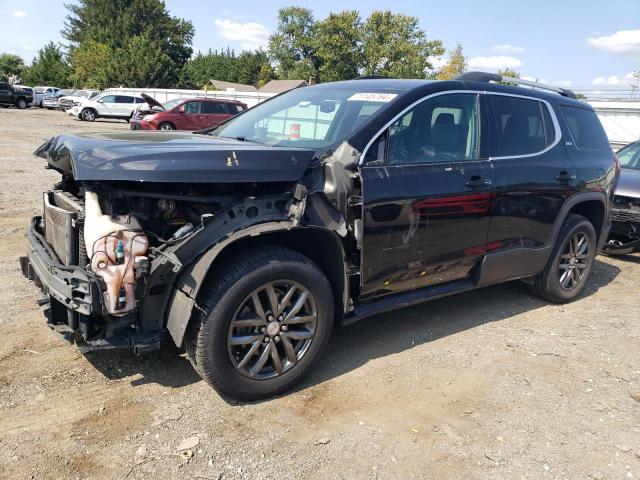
(487, 384)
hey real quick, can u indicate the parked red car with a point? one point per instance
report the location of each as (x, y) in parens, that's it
(187, 114)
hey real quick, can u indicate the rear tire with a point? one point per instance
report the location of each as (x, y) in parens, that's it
(167, 126)
(571, 261)
(227, 344)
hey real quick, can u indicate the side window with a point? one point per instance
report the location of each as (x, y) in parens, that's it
(138, 99)
(192, 107)
(630, 156)
(376, 152)
(232, 108)
(213, 108)
(124, 99)
(109, 99)
(443, 128)
(585, 128)
(523, 126)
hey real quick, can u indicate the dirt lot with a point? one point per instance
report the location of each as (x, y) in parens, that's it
(488, 384)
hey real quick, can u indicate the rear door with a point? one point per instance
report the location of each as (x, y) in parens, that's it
(533, 174)
(124, 105)
(213, 113)
(426, 186)
(6, 93)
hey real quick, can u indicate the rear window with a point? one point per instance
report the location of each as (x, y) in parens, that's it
(233, 108)
(585, 128)
(523, 126)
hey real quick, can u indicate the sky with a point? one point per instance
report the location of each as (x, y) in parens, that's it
(583, 44)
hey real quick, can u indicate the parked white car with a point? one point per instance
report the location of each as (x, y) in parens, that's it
(68, 100)
(40, 92)
(50, 101)
(107, 105)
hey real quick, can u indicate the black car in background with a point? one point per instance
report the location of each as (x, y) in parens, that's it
(326, 204)
(18, 97)
(625, 229)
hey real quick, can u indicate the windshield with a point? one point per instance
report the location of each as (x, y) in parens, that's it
(308, 117)
(172, 103)
(630, 156)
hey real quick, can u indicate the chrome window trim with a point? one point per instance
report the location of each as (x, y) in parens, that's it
(552, 113)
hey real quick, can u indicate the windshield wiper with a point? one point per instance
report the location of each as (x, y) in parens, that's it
(241, 139)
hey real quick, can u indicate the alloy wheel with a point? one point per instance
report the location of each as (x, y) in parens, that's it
(574, 261)
(272, 329)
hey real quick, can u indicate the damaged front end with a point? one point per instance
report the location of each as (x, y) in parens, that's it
(121, 234)
(624, 237)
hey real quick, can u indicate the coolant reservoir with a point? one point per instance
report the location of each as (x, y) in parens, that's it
(113, 243)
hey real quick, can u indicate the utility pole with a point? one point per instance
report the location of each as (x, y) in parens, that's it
(634, 87)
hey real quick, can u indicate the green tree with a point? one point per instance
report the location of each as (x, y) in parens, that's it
(507, 72)
(292, 46)
(338, 46)
(394, 45)
(10, 66)
(49, 67)
(94, 64)
(249, 65)
(127, 27)
(456, 65)
(267, 73)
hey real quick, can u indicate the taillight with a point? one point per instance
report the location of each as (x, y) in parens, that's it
(617, 160)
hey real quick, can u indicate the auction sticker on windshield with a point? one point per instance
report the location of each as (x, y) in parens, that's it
(372, 97)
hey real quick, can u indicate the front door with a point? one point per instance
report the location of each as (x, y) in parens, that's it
(191, 119)
(427, 193)
(107, 106)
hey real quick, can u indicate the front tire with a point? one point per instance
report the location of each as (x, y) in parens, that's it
(167, 126)
(22, 104)
(269, 318)
(569, 267)
(88, 114)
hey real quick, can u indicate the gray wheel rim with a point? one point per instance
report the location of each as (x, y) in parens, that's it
(22, 104)
(574, 261)
(164, 126)
(88, 115)
(272, 329)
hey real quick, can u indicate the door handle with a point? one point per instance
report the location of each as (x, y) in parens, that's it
(478, 181)
(565, 176)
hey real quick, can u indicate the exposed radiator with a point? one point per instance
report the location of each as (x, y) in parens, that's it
(63, 227)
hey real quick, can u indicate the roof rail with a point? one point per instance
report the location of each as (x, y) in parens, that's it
(494, 77)
(370, 77)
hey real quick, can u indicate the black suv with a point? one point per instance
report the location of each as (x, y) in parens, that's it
(13, 96)
(323, 205)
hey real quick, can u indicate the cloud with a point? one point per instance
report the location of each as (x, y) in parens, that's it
(622, 80)
(19, 13)
(250, 35)
(495, 63)
(438, 62)
(557, 83)
(623, 42)
(508, 49)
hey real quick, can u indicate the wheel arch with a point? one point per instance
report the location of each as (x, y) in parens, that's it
(321, 245)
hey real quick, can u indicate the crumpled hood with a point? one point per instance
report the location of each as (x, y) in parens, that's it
(629, 183)
(171, 157)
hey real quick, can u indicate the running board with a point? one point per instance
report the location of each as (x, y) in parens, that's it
(407, 299)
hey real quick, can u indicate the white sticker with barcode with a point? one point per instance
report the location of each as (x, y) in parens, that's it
(372, 97)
